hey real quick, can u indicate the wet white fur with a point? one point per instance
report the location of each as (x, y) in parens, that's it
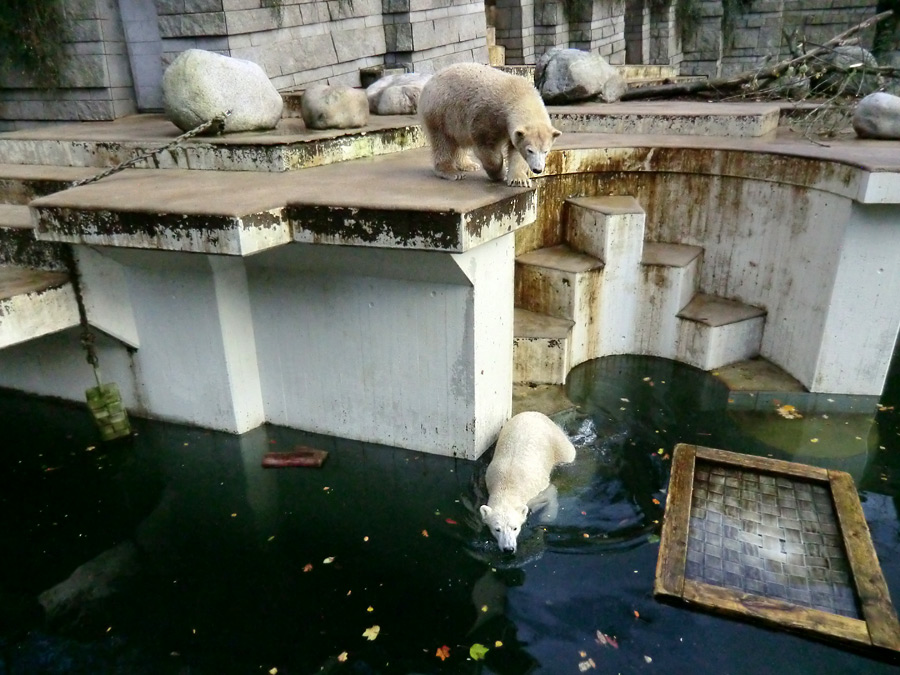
(499, 116)
(529, 446)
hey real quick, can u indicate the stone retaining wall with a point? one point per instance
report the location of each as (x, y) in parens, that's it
(297, 43)
(723, 46)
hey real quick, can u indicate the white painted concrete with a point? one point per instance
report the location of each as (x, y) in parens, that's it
(29, 315)
(196, 359)
(55, 365)
(407, 348)
(663, 291)
(612, 231)
(854, 341)
(104, 289)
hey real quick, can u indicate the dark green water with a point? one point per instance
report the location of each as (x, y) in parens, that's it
(193, 557)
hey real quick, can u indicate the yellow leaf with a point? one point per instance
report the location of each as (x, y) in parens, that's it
(273, 671)
(342, 657)
(372, 633)
(328, 560)
(484, 608)
(498, 644)
(370, 609)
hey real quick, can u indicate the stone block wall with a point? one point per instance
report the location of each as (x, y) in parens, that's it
(597, 26)
(637, 31)
(702, 47)
(95, 80)
(427, 35)
(757, 32)
(297, 43)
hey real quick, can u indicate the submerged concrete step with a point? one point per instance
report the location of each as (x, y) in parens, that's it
(18, 245)
(669, 275)
(717, 331)
(34, 303)
(540, 348)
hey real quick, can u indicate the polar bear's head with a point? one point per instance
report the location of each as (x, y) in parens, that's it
(505, 524)
(534, 142)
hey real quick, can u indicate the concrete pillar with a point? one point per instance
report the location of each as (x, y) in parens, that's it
(406, 348)
(197, 358)
(855, 361)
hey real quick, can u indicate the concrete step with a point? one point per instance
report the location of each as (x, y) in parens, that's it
(289, 146)
(612, 230)
(540, 348)
(34, 303)
(669, 276)
(565, 284)
(715, 331)
(607, 228)
(18, 245)
(20, 183)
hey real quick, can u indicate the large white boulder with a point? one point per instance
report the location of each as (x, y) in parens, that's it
(878, 116)
(198, 85)
(396, 94)
(334, 107)
(570, 75)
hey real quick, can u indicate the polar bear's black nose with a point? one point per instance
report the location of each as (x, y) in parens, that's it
(537, 171)
(509, 549)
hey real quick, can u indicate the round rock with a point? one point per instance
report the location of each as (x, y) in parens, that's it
(334, 107)
(198, 85)
(878, 116)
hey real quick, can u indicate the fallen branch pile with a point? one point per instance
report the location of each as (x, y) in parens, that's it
(764, 76)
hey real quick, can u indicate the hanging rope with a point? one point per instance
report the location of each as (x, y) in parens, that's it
(217, 124)
(104, 400)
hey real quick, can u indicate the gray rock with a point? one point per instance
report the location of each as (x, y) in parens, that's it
(569, 75)
(334, 107)
(396, 94)
(854, 75)
(878, 116)
(198, 85)
(91, 585)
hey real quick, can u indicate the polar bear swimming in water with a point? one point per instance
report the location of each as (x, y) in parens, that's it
(518, 477)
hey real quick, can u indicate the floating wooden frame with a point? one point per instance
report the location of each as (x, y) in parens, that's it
(781, 543)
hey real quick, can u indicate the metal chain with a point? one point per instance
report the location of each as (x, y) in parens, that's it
(217, 123)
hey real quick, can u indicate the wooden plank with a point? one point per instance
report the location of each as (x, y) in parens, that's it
(762, 464)
(777, 612)
(871, 588)
(299, 456)
(673, 542)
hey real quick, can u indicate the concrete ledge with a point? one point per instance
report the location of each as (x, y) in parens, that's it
(291, 146)
(735, 120)
(34, 303)
(387, 202)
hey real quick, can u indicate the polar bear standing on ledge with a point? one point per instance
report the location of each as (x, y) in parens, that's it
(529, 446)
(470, 105)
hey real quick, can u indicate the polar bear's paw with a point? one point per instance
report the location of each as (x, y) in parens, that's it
(518, 181)
(449, 174)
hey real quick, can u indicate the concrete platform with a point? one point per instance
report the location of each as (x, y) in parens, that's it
(680, 118)
(34, 303)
